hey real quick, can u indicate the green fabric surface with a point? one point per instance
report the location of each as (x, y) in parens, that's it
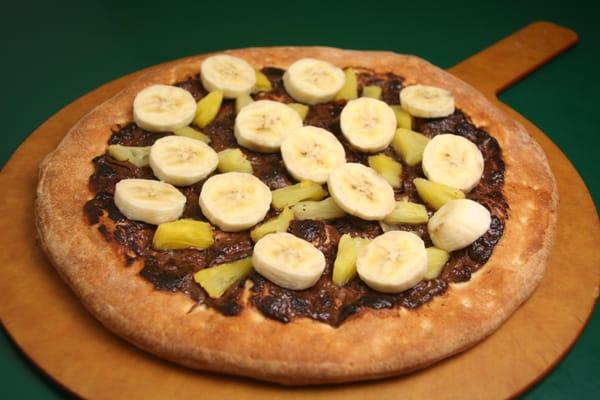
(54, 52)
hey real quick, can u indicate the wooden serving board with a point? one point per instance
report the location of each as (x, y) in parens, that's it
(50, 325)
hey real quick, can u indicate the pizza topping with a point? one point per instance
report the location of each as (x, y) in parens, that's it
(138, 156)
(313, 81)
(407, 213)
(344, 266)
(159, 108)
(263, 84)
(301, 109)
(393, 262)
(233, 160)
(349, 90)
(188, 131)
(216, 280)
(361, 191)
(368, 124)
(288, 261)
(372, 91)
(207, 108)
(242, 101)
(234, 201)
(262, 125)
(387, 167)
(182, 234)
(311, 153)
(181, 160)
(458, 223)
(231, 75)
(436, 194)
(427, 101)
(318, 210)
(453, 161)
(404, 119)
(292, 194)
(409, 145)
(279, 223)
(436, 259)
(149, 200)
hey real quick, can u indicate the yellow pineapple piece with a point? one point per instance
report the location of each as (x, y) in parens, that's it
(318, 210)
(407, 213)
(350, 89)
(372, 91)
(138, 156)
(436, 259)
(409, 145)
(387, 167)
(233, 160)
(290, 195)
(301, 109)
(190, 132)
(208, 108)
(436, 194)
(404, 119)
(263, 84)
(242, 101)
(278, 224)
(344, 266)
(182, 234)
(216, 280)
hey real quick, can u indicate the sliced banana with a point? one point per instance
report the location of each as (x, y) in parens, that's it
(361, 191)
(368, 124)
(262, 125)
(313, 81)
(160, 108)
(181, 160)
(231, 75)
(149, 201)
(234, 201)
(288, 261)
(427, 101)
(454, 161)
(311, 153)
(393, 262)
(458, 223)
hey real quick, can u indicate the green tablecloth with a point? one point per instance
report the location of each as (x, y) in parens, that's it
(54, 52)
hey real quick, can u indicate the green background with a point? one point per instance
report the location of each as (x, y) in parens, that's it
(54, 52)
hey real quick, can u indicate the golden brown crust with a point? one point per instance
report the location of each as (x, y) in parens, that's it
(370, 344)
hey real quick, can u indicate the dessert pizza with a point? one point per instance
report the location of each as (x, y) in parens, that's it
(299, 215)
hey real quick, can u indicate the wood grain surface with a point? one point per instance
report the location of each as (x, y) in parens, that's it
(55, 331)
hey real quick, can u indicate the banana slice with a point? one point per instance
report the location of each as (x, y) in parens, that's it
(234, 201)
(311, 153)
(149, 201)
(262, 125)
(313, 81)
(288, 261)
(361, 191)
(160, 108)
(368, 124)
(458, 223)
(427, 101)
(393, 262)
(453, 161)
(181, 160)
(231, 75)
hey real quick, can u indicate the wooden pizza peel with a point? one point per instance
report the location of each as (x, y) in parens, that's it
(49, 324)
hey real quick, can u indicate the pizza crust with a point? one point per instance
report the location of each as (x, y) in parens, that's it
(370, 344)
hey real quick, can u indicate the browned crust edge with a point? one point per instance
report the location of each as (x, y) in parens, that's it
(369, 345)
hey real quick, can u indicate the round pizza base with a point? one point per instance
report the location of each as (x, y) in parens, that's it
(369, 345)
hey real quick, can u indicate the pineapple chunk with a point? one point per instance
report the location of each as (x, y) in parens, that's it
(190, 132)
(263, 84)
(409, 145)
(408, 213)
(290, 195)
(436, 259)
(242, 101)
(138, 156)
(372, 91)
(216, 280)
(318, 210)
(208, 108)
(344, 266)
(404, 119)
(182, 234)
(233, 160)
(301, 109)
(278, 224)
(350, 89)
(387, 167)
(436, 194)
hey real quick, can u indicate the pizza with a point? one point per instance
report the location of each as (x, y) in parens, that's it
(299, 215)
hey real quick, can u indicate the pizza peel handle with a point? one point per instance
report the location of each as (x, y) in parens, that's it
(507, 61)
